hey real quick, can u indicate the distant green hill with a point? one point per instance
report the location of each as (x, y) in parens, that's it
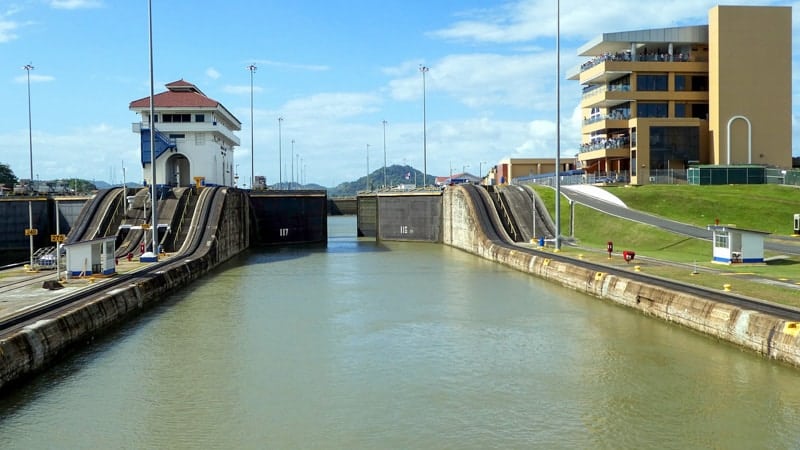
(395, 175)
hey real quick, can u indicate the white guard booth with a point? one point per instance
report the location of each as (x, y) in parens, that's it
(95, 257)
(735, 245)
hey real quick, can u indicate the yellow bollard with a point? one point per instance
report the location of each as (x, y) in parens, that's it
(726, 287)
(637, 269)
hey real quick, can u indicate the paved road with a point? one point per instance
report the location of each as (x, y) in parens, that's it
(781, 244)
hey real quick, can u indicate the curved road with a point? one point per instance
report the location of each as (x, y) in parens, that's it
(781, 244)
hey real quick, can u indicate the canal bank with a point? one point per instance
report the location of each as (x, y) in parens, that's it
(468, 228)
(219, 233)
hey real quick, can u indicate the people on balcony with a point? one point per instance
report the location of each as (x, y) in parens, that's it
(605, 143)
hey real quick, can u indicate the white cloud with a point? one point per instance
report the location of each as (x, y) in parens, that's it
(332, 106)
(75, 4)
(482, 80)
(240, 89)
(8, 31)
(212, 73)
(55, 155)
(528, 20)
(8, 27)
(35, 78)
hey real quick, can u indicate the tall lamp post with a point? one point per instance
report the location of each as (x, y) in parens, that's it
(367, 187)
(291, 184)
(280, 154)
(558, 126)
(252, 68)
(29, 232)
(153, 255)
(384, 155)
(299, 182)
(480, 170)
(424, 70)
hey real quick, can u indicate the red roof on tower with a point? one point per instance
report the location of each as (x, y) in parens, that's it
(180, 94)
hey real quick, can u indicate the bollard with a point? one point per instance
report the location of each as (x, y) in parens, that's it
(636, 269)
(726, 287)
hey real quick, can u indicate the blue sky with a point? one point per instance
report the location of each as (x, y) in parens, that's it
(334, 70)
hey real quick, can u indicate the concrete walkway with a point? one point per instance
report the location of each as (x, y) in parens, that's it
(21, 290)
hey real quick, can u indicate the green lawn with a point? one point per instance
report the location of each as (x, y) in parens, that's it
(762, 207)
(759, 207)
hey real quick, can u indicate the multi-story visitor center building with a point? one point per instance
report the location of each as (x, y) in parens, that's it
(661, 99)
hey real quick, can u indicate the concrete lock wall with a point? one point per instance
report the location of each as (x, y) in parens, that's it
(39, 344)
(14, 220)
(414, 217)
(367, 220)
(768, 335)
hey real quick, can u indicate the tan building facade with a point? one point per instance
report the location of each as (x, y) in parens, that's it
(509, 169)
(662, 99)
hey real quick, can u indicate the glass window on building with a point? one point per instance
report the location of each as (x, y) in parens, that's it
(699, 111)
(721, 240)
(693, 83)
(699, 83)
(680, 83)
(199, 117)
(177, 118)
(673, 144)
(645, 109)
(680, 109)
(651, 82)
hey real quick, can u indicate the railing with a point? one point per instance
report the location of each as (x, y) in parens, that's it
(606, 88)
(602, 117)
(606, 144)
(644, 57)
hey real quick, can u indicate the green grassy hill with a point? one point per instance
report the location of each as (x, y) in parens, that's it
(759, 207)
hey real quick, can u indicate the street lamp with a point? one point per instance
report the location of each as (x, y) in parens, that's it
(252, 68)
(153, 255)
(297, 157)
(384, 155)
(558, 127)
(29, 231)
(424, 70)
(291, 184)
(464, 169)
(367, 187)
(480, 170)
(280, 155)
